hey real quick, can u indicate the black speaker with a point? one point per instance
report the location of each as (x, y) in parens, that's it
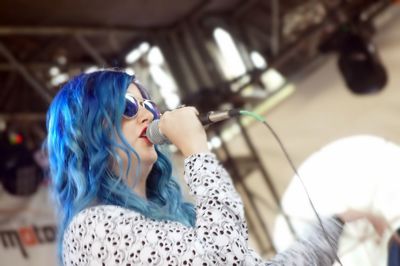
(19, 173)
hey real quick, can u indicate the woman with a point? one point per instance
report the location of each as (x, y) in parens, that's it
(118, 203)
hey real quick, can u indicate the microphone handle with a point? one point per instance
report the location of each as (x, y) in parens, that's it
(205, 118)
(216, 116)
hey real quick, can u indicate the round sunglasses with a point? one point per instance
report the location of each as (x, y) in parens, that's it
(132, 107)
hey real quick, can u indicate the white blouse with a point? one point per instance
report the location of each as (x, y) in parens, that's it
(113, 235)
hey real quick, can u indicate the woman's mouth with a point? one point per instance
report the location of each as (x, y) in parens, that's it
(144, 136)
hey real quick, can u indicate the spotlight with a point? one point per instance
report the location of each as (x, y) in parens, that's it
(358, 60)
(360, 65)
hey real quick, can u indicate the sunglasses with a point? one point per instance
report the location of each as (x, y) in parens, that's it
(132, 107)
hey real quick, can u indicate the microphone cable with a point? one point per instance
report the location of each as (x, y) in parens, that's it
(262, 120)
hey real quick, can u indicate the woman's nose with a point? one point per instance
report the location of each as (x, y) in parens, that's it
(145, 115)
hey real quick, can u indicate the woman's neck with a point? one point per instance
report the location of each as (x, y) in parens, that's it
(140, 187)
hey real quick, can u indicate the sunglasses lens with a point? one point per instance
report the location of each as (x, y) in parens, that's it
(153, 108)
(131, 107)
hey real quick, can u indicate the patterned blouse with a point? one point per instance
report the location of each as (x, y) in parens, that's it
(113, 235)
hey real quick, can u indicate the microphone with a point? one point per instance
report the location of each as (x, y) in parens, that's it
(156, 137)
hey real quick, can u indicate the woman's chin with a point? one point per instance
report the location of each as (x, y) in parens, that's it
(149, 159)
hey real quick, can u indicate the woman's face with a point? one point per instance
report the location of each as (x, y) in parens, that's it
(134, 130)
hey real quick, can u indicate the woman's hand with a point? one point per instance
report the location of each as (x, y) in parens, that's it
(379, 223)
(184, 130)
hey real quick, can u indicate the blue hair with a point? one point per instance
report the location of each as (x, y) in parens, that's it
(83, 124)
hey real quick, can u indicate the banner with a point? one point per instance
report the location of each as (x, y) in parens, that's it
(27, 229)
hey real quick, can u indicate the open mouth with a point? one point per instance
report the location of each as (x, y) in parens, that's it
(144, 137)
(143, 133)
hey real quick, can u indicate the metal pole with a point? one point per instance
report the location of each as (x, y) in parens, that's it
(194, 56)
(275, 27)
(7, 88)
(91, 50)
(265, 175)
(187, 76)
(200, 40)
(25, 73)
(237, 177)
(172, 62)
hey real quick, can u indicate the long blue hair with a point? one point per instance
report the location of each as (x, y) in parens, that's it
(83, 124)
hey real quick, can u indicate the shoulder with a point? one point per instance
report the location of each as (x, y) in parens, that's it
(97, 223)
(112, 234)
(96, 229)
(101, 215)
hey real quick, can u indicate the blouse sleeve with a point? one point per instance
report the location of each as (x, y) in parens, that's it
(313, 249)
(112, 235)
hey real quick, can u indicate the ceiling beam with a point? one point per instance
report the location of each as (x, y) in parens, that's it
(25, 117)
(43, 30)
(244, 7)
(195, 12)
(25, 73)
(91, 50)
(43, 65)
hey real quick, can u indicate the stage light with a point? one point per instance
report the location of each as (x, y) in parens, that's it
(358, 59)
(360, 65)
(15, 138)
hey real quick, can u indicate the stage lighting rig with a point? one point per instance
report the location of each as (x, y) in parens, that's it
(358, 59)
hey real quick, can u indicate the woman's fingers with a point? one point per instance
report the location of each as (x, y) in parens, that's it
(183, 128)
(379, 223)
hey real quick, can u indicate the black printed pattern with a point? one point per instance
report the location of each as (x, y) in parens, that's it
(112, 235)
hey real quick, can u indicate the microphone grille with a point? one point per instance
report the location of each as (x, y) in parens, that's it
(154, 135)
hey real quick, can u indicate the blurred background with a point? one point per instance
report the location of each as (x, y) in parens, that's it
(325, 75)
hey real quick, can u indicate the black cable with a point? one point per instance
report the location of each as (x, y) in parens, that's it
(262, 120)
